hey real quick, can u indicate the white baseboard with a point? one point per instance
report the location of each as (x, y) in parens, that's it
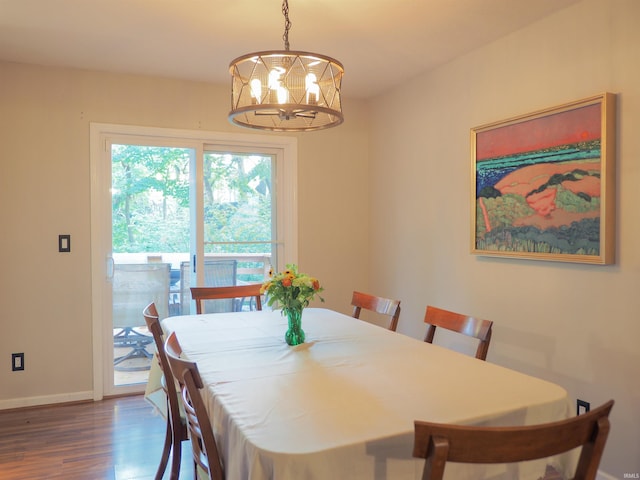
(604, 476)
(45, 400)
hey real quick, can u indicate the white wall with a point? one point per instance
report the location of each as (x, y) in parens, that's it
(45, 296)
(576, 325)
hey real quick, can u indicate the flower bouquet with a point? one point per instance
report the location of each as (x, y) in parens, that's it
(291, 291)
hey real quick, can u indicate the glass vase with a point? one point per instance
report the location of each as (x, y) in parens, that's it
(295, 334)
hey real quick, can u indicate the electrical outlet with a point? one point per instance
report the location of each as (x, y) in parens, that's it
(17, 361)
(582, 407)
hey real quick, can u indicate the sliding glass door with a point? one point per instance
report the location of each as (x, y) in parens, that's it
(150, 239)
(179, 213)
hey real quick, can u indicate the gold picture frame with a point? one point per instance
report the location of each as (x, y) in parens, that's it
(543, 184)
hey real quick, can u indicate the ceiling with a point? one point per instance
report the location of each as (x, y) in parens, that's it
(379, 42)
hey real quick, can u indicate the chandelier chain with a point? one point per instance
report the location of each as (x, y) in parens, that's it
(287, 24)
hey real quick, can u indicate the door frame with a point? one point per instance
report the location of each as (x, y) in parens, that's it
(100, 168)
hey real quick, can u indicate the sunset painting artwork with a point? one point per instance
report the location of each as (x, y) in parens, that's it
(539, 184)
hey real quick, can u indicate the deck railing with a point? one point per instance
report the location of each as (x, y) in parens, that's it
(249, 264)
(244, 260)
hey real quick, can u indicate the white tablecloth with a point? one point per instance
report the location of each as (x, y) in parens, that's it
(342, 405)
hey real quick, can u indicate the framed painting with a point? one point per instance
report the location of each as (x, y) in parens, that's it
(543, 184)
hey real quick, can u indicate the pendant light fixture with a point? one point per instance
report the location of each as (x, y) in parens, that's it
(286, 90)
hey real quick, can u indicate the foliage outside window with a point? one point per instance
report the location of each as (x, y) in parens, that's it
(150, 201)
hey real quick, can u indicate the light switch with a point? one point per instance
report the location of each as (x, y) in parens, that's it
(64, 243)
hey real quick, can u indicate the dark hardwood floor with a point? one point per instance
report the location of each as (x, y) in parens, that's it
(115, 439)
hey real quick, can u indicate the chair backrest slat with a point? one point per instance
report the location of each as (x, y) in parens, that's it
(200, 294)
(440, 443)
(381, 305)
(464, 324)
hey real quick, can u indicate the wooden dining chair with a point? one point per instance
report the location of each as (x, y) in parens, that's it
(456, 322)
(176, 423)
(203, 442)
(381, 305)
(440, 443)
(200, 294)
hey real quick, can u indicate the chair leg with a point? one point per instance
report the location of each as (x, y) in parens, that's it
(176, 456)
(165, 452)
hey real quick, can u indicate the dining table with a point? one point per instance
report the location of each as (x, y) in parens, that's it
(342, 405)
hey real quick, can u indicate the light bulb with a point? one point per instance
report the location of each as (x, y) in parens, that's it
(283, 95)
(256, 90)
(277, 91)
(274, 78)
(313, 89)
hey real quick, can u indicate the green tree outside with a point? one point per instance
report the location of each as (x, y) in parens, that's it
(150, 200)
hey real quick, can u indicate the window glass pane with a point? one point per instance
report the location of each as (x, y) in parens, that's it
(239, 211)
(150, 199)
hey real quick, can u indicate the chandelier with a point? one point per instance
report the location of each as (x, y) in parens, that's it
(285, 90)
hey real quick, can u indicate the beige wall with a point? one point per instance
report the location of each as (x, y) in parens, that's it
(577, 325)
(45, 191)
(384, 205)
